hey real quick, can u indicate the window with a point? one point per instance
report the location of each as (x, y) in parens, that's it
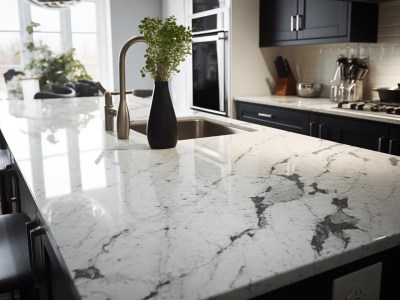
(80, 27)
(84, 36)
(10, 44)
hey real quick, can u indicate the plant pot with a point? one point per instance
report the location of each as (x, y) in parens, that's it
(162, 127)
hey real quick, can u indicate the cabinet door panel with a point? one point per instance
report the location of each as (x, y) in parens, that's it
(275, 19)
(323, 19)
(359, 133)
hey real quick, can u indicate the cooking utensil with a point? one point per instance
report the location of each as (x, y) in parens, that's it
(389, 94)
(361, 72)
(341, 62)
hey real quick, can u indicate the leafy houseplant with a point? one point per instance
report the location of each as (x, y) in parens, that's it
(168, 45)
(50, 67)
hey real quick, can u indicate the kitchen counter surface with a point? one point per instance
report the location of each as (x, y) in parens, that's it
(229, 217)
(322, 105)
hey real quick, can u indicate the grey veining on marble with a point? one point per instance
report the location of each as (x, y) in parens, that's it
(227, 217)
(321, 105)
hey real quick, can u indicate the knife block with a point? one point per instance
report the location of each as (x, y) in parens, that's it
(286, 86)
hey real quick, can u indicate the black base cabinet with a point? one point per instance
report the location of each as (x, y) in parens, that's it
(372, 135)
(354, 132)
(297, 22)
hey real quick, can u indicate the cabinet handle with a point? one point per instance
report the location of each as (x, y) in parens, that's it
(311, 129)
(292, 23)
(380, 143)
(38, 271)
(299, 22)
(391, 142)
(269, 116)
(320, 128)
(12, 189)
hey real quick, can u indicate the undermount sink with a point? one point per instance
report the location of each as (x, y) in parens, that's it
(197, 127)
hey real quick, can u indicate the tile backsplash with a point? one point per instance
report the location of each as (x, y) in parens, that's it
(317, 63)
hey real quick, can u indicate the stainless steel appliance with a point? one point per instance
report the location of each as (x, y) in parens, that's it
(210, 61)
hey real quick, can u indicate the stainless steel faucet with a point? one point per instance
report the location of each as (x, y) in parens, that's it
(109, 110)
(123, 119)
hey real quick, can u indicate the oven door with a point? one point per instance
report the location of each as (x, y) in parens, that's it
(208, 59)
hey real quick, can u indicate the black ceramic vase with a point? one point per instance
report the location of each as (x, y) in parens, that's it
(162, 127)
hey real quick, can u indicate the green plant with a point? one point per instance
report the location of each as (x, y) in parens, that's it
(52, 68)
(168, 45)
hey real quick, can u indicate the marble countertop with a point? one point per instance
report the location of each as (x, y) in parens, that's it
(227, 217)
(321, 105)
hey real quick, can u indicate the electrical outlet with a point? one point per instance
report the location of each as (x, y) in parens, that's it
(363, 284)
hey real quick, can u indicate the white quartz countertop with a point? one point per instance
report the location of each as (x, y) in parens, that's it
(227, 217)
(321, 105)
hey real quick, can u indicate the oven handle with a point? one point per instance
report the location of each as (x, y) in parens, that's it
(221, 68)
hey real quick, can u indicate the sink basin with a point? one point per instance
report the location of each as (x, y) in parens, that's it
(197, 127)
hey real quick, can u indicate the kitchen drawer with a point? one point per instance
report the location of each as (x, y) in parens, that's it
(281, 118)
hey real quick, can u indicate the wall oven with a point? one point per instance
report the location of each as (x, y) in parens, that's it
(210, 61)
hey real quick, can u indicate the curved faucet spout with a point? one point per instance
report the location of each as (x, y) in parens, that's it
(123, 119)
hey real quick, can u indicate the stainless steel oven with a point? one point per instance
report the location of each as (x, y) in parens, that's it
(210, 61)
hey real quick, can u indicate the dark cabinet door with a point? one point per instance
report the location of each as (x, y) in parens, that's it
(322, 19)
(276, 21)
(277, 117)
(285, 22)
(394, 140)
(359, 133)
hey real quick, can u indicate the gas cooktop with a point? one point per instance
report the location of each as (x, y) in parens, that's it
(371, 106)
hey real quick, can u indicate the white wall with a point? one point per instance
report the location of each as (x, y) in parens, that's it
(125, 16)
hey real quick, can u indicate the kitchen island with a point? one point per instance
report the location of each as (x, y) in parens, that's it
(228, 217)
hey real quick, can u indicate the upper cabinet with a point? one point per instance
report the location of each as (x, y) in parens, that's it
(297, 22)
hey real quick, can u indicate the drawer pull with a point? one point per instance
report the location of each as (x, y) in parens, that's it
(311, 129)
(380, 143)
(391, 142)
(265, 115)
(320, 130)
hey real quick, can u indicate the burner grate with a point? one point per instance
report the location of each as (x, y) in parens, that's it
(373, 106)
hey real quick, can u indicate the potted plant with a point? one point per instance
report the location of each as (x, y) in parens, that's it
(52, 68)
(168, 45)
